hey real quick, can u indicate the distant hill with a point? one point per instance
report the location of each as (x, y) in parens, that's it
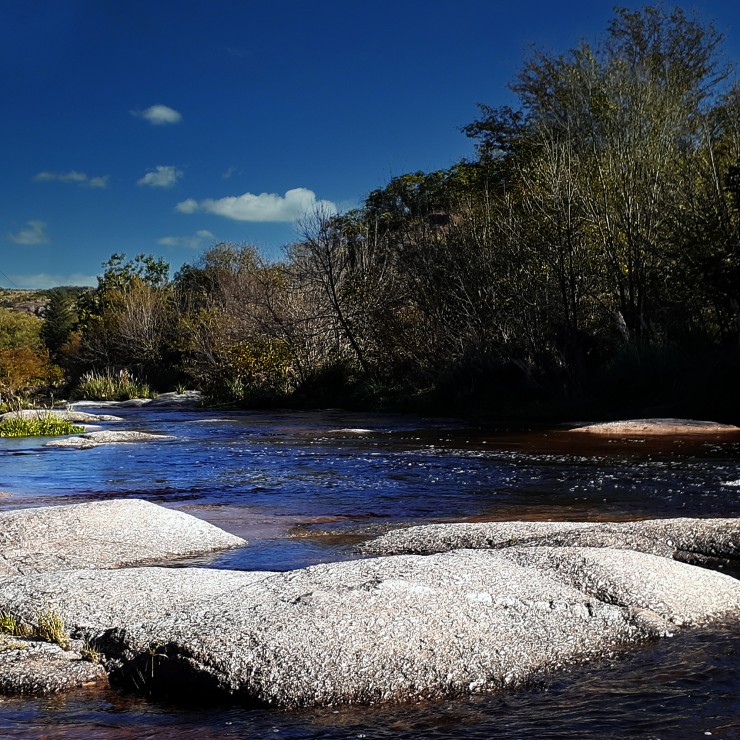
(33, 301)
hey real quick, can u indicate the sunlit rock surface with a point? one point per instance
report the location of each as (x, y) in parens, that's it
(37, 668)
(186, 399)
(386, 629)
(691, 540)
(74, 417)
(655, 427)
(102, 534)
(104, 437)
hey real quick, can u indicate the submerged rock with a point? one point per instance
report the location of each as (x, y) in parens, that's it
(105, 437)
(103, 534)
(655, 427)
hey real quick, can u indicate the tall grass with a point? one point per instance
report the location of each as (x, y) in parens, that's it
(111, 386)
(42, 425)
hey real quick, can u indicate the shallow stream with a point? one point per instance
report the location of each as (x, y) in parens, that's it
(305, 487)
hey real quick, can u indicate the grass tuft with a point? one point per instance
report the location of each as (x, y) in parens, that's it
(89, 653)
(11, 625)
(51, 628)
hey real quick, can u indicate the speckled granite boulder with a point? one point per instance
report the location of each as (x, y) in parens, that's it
(102, 534)
(385, 629)
(75, 417)
(691, 540)
(104, 437)
(92, 601)
(37, 668)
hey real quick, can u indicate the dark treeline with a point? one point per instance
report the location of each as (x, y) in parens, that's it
(586, 260)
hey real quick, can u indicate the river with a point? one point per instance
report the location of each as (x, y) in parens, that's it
(306, 487)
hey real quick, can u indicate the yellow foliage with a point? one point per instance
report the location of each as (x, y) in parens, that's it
(23, 368)
(261, 362)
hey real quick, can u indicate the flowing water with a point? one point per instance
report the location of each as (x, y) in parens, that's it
(306, 487)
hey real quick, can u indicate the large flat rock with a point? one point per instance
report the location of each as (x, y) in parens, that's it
(378, 630)
(676, 592)
(103, 534)
(92, 601)
(105, 437)
(385, 629)
(75, 417)
(184, 400)
(655, 427)
(688, 539)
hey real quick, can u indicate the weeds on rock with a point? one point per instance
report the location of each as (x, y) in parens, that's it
(89, 653)
(51, 629)
(44, 425)
(11, 625)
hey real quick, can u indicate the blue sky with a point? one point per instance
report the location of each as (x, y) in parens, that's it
(163, 126)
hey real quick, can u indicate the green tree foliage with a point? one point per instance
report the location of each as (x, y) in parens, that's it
(597, 228)
(233, 337)
(60, 320)
(126, 322)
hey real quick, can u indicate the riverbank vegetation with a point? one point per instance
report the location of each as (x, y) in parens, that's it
(586, 260)
(41, 425)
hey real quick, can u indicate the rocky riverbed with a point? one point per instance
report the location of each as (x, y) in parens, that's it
(486, 611)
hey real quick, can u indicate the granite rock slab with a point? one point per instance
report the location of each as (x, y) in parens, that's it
(655, 427)
(74, 417)
(105, 437)
(32, 667)
(688, 539)
(102, 534)
(379, 630)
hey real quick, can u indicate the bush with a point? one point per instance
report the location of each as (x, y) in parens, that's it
(110, 386)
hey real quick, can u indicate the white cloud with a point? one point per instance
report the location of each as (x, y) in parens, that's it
(34, 234)
(159, 115)
(266, 207)
(199, 240)
(73, 176)
(162, 176)
(44, 280)
(230, 172)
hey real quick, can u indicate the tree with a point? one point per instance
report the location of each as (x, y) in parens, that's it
(622, 122)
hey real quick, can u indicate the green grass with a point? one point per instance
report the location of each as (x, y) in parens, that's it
(44, 425)
(11, 625)
(49, 627)
(110, 386)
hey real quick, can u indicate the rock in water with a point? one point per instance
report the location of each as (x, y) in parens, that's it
(102, 534)
(691, 540)
(105, 437)
(655, 427)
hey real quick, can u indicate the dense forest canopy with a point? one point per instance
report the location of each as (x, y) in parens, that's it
(588, 257)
